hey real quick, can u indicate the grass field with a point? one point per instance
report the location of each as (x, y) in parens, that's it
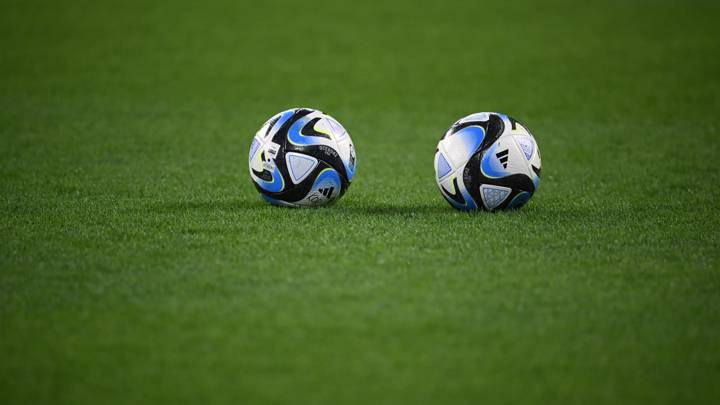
(139, 265)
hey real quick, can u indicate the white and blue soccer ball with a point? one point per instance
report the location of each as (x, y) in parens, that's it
(302, 158)
(487, 161)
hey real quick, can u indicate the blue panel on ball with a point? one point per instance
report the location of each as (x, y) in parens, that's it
(457, 205)
(295, 137)
(350, 172)
(472, 138)
(350, 164)
(286, 115)
(491, 166)
(327, 178)
(274, 186)
(443, 167)
(520, 199)
(470, 204)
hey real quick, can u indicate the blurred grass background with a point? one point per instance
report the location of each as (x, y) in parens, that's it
(138, 264)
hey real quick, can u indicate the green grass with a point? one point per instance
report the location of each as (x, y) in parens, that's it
(138, 263)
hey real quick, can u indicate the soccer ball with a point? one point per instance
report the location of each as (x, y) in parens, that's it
(302, 158)
(487, 161)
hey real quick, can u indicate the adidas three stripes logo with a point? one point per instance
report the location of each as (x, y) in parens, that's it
(503, 157)
(327, 192)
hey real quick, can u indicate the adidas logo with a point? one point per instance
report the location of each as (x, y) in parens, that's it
(327, 192)
(503, 157)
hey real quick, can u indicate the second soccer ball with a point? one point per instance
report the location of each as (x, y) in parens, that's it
(487, 161)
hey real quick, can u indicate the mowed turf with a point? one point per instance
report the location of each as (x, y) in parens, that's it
(139, 265)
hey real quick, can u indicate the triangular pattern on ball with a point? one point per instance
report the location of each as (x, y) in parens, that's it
(443, 167)
(527, 145)
(253, 148)
(299, 165)
(338, 130)
(493, 196)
